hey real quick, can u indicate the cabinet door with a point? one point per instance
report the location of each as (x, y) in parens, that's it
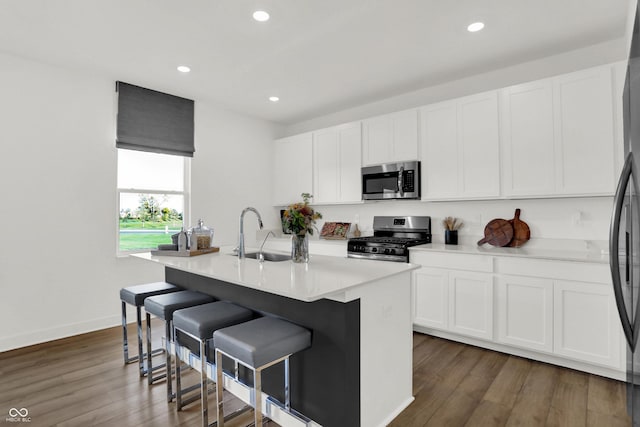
(471, 304)
(439, 151)
(586, 325)
(292, 171)
(325, 166)
(529, 149)
(431, 296)
(584, 128)
(405, 135)
(390, 138)
(479, 143)
(377, 148)
(350, 155)
(525, 312)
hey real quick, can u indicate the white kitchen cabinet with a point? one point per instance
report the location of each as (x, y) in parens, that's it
(471, 304)
(336, 164)
(390, 138)
(525, 312)
(584, 128)
(431, 298)
(527, 139)
(292, 168)
(460, 146)
(586, 325)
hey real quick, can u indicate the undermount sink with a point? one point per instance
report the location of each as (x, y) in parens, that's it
(268, 256)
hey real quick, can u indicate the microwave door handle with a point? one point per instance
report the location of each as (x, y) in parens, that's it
(401, 181)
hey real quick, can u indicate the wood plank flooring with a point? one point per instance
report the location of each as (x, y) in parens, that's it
(81, 381)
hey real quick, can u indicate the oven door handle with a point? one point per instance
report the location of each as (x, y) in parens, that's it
(401, 181)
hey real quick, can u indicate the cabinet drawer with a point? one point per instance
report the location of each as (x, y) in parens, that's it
(453, 261)
(565, 270)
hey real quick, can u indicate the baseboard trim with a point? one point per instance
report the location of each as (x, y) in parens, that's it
(44, 335)
(404, 405)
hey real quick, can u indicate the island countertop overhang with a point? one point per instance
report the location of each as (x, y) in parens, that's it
(323, 277)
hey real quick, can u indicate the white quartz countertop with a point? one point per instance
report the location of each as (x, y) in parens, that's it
(558, 252)
(324, 276)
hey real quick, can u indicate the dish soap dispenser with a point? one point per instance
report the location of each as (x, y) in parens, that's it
(182, 240)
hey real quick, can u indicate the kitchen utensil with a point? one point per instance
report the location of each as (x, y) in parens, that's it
(521, 232)
(498, 232)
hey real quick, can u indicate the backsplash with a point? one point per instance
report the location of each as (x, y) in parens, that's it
(584, 219)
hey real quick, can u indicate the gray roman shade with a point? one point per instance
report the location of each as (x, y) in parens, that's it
(154, 121)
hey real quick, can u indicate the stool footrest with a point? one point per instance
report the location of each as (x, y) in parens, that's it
(271, 407)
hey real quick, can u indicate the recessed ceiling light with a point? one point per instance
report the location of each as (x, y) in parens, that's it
(476, 26)
(260, 16)
(274, 99)
(184, 69)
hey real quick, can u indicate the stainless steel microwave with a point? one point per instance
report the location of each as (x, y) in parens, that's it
(391, 181)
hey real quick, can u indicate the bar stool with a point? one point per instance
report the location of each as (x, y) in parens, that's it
(163, 307)
(258, 344)
(135, 296)
(199, 323)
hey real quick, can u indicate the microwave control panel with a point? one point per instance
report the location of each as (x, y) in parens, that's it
(408, 179)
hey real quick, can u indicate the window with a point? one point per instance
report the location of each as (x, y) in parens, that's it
(152, 198)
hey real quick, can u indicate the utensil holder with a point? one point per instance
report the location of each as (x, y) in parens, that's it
(451, 237)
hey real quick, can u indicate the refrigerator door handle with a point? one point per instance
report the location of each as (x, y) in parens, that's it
(614, 241)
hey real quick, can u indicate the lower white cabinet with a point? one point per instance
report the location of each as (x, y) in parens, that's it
(525, 312)
(471, 304)
(586, 325)
(554, 311)
(461, 302)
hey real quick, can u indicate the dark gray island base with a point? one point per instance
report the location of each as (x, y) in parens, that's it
(325, 379)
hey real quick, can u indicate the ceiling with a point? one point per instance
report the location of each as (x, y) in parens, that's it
(318, 56)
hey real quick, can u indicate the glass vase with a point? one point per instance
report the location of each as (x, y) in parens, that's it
(300, 248)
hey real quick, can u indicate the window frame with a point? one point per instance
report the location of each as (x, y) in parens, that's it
(185, 193)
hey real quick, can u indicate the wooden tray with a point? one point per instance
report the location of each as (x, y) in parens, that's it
(186, 253)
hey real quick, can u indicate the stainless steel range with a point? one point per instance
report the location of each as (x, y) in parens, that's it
(392, 237)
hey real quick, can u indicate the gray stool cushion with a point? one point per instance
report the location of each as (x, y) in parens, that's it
(202, 320)
(263, 340)
(163, 306)
(135, 295)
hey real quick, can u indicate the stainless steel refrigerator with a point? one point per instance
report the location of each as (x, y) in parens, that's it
(624, 236)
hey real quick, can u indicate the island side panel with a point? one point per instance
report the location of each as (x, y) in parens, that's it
(386, 343)
(325, 379)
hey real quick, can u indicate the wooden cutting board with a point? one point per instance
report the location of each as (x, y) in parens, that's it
(498, 232)
(521, 232)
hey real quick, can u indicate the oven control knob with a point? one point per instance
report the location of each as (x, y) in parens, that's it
(387, 251)
(374, 249)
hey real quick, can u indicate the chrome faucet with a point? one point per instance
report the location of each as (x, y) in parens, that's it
(260, 253)
(241, 251)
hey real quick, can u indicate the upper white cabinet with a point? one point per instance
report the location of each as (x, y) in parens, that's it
(461, 148)
(559, 135)
(390, 138)
(336, 164)
(528, 142)
(584, 128)
(292, 168)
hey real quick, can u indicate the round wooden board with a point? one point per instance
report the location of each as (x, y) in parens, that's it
(498, 232)
(521, 232)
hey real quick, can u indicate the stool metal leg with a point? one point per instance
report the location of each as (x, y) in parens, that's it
(125, 341)
(168, 340)
(287, 400)
(178, 371)
(203, 384)
(219, 389)
(149, 361)
(143, 371)
(257, 396)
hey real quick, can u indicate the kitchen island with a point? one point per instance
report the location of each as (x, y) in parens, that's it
(358, 371)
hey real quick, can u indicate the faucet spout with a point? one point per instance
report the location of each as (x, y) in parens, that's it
(241, 250)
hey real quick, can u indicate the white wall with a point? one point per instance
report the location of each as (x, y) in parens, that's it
(59, 274)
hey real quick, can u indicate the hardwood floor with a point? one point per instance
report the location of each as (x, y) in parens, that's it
(81, 381)
(461, 385)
